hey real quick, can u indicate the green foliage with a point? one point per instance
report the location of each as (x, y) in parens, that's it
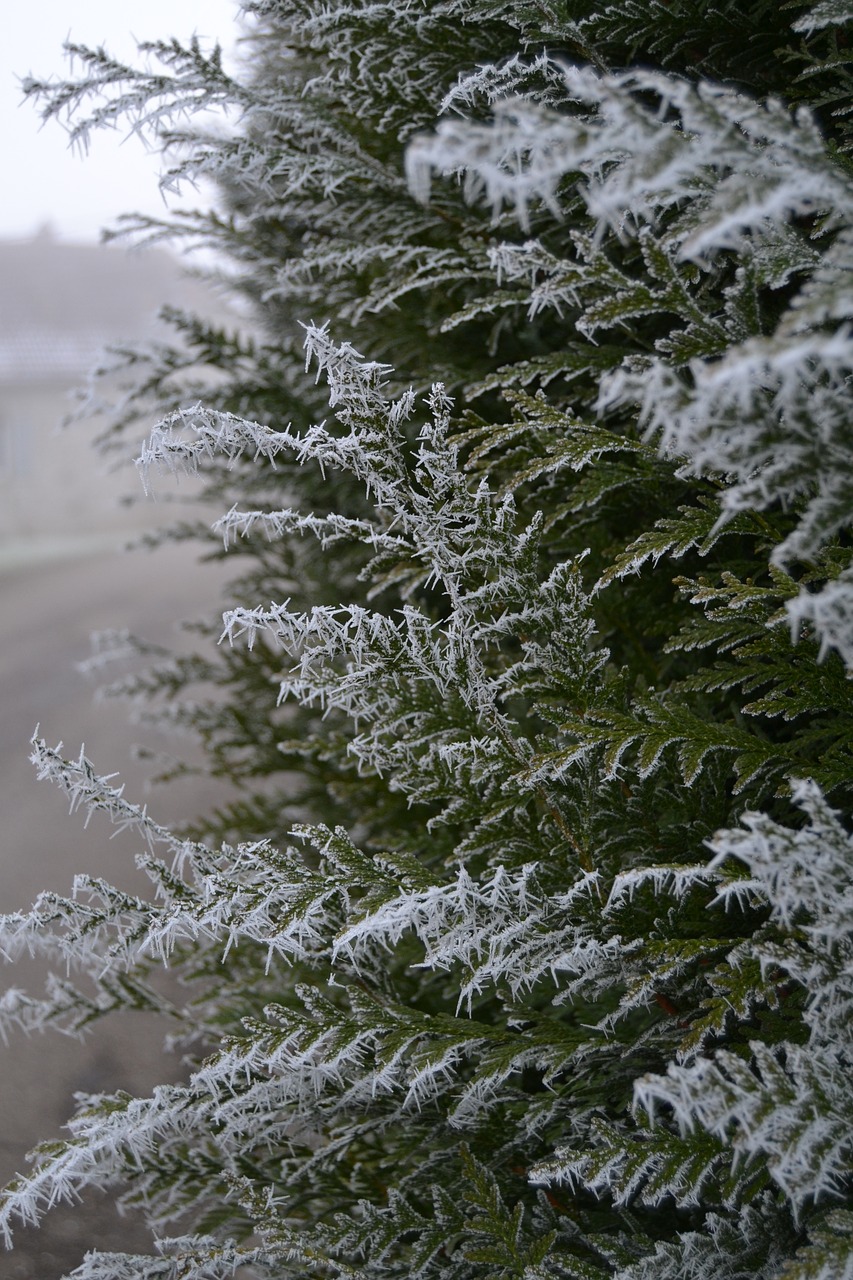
(544, 591)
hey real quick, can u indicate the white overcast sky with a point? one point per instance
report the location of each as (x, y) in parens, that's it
(42, 180)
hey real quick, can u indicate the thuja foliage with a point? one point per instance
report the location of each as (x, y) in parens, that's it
(526, 949)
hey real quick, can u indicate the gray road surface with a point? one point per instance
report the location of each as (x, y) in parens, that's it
(47, 612)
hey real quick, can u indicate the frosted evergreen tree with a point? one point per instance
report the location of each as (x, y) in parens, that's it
(528, 950)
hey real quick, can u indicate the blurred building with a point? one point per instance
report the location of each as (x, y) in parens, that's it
(61, 305)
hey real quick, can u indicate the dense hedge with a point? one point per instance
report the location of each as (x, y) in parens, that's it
(527, 948)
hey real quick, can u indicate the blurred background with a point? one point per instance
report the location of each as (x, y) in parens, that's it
(63, 569)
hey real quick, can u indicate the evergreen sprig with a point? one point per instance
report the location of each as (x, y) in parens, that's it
(524, 949)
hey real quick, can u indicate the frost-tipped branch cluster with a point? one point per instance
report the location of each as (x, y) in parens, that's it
(524, 947)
